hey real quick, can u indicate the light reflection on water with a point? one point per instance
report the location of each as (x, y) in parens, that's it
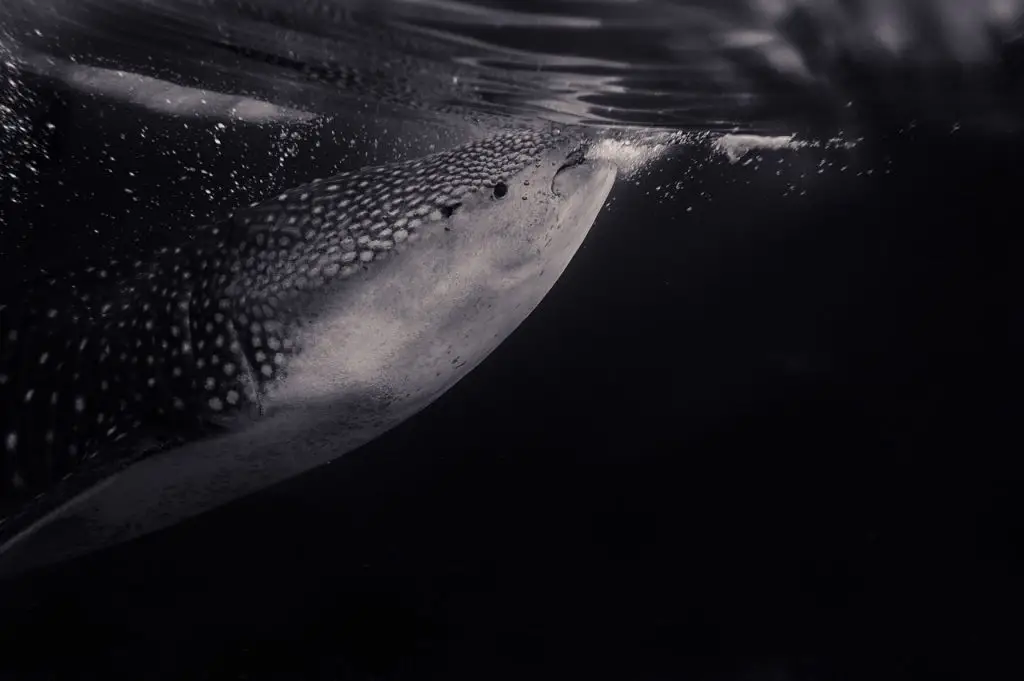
(755, 65)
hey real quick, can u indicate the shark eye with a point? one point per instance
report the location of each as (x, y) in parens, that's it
(500, 190)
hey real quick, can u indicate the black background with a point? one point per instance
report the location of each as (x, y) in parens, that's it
(771, 437)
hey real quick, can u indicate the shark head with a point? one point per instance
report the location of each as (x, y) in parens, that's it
(295, 331)
(388, 257)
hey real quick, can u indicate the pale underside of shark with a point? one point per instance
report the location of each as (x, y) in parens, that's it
(136, 394)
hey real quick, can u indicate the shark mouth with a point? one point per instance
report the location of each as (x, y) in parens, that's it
(576, 157)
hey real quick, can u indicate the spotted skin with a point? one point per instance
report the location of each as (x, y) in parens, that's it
(95, 362)
(89, 359)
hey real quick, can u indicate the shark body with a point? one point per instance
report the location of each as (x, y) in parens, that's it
(134, 394)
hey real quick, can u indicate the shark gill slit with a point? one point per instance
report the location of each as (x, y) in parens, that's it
(247, 374)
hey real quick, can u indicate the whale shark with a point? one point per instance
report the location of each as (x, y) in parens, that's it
(137, 393)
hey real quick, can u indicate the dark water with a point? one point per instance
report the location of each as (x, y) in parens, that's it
(762, 428)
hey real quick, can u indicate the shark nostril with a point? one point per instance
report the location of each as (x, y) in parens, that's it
(449, 210)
